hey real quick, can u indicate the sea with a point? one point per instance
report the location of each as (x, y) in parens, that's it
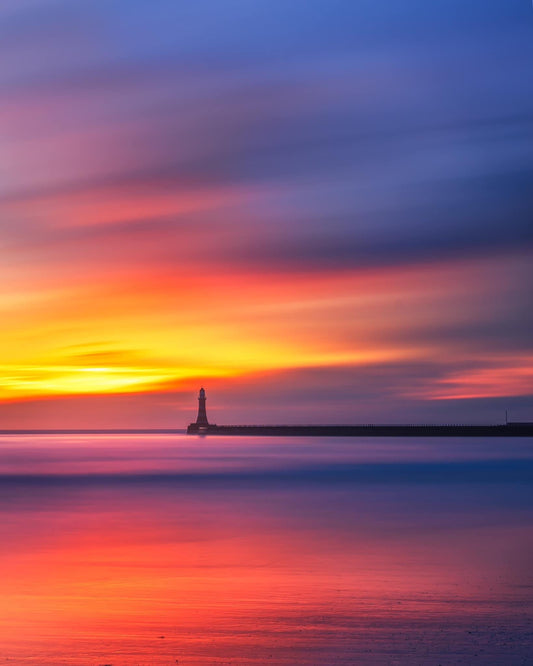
(178, 549)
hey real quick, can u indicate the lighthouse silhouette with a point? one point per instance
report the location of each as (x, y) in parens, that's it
(201, 419)
(201, 425)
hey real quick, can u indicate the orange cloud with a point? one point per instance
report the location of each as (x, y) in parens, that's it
(500, 378)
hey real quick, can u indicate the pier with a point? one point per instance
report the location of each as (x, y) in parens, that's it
(202, 427)
(370, 430)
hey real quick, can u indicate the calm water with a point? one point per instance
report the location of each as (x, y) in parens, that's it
(175, 549)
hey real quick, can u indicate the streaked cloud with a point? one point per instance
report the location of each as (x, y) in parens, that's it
(228, 190)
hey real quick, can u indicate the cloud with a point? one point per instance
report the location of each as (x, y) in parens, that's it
(306, 181)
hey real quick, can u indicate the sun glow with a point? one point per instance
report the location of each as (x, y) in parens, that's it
(25, 380)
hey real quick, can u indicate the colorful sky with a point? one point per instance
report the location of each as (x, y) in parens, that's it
(322, 210)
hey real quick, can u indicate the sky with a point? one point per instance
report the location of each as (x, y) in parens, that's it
(320, 210)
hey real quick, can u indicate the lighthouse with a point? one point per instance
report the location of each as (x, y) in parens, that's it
(201, 419)
(201, 425)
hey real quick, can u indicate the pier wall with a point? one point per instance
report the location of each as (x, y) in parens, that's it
(509, 430)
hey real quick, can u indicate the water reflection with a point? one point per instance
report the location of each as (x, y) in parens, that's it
(138, 550)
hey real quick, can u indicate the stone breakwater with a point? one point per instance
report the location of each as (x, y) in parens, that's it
(368, 430)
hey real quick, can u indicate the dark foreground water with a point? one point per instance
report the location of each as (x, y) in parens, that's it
(175, 549)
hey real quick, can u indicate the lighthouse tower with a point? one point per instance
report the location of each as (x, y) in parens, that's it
(201, 419)
(201, 425)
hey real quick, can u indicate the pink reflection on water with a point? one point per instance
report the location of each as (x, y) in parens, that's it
(256, 571)
(89, 454)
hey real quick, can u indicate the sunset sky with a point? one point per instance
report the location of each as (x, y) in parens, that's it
(320, 210)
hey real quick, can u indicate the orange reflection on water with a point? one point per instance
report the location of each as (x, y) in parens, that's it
(231, 558)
